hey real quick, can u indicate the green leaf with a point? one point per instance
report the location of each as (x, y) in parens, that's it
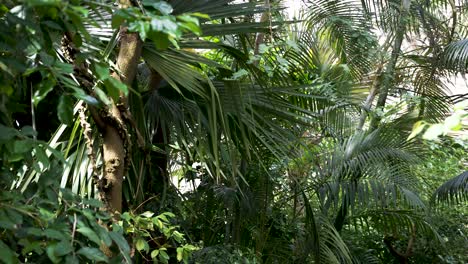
(90, 234)
(200, 15)
(89, 214)
(142, 27)
(163, 7)
(77, 40)
(44, 87)
(117, 19)
(239, 74)
(160, 40)
(102, 96)
(55, 234)
(22, 146)
(179, 237)
(46, 59)
(65, 110)
(102, 71)
(63, 248)
(154, 253)
(120, 241)
(34, 231)
(126, 216)
(28, 131)
(8, 256)
(7, 133)
(262, 48)
(6, 222)
(93, 254)
(190, 247)
(5, 88)
(72, 259)
(141, 244)
(180, 254)
(93, 203)
(192, 27)
(34, 3)
(114, 87)
(33, 246)
(51, 253)
(163, 256)
(156, 24)
(47, 215)
(188, 18)
(42, 157)
(147, 214)
(63, 68)
(104, 235)
(3, 9)
(167, 215)
(158, 223)
(79, 94)
(122, 244)
(417, 128)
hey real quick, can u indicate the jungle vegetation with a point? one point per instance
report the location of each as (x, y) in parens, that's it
(221, 131)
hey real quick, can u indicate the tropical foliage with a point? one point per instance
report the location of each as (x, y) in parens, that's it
(222, 131)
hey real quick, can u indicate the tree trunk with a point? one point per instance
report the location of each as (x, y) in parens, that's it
(111, 120)
(389, 73)
(114, 159)
(112, 126)
(260, 38)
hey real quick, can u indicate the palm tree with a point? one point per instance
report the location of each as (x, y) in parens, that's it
(195, 98)
(265, 115)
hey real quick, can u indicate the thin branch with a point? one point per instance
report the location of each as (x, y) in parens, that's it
(33, 115)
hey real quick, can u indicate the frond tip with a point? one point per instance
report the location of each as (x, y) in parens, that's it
(455, 56)
(453, 191)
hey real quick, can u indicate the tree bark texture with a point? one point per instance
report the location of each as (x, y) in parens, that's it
(116, 143)
(111, 120)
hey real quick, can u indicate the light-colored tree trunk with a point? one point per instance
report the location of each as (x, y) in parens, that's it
(112, 124)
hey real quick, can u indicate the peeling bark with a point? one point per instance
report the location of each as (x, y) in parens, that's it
(110, 121)
(116, 144)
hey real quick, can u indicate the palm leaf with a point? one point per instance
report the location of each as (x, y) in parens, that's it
(393, 222)
(455, 56)
(453, 191)
(342, 23)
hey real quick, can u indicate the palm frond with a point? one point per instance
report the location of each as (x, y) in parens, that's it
(432, 89)
(364, 149)
(345, 26)
(333, 248)
(455, 56)
(393, 222)
(365, 258)
(454, 191)
(313, 243)
(218, 9)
